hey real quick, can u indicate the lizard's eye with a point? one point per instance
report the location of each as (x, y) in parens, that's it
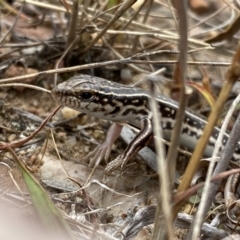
(85, 95)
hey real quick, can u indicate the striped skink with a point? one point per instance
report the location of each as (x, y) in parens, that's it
(126, 104)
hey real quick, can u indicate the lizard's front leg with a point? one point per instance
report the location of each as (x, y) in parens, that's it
(141, 140)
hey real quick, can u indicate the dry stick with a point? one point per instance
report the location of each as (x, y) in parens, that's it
(19, 143)
(172, 8)
(98, 13)
(166, 51)
(107, 17)
(173, 38)
(11, 28)
(147, 214)
(121, 10)
(71, 40)
(132, 17)
(233, 76)
(208, 196)
(180, 71)
(164, 191)
(183, 196)
(107, 63)
(60, 59)
(162, 224)
(136, 39)
(12, 10)
(72, 29)
(207, 20)
(25, 86)
(134, 67)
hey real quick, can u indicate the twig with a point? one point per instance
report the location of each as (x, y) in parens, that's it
(164, 208)
(4, 146)
(107, 63)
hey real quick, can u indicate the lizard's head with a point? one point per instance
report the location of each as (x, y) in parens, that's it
(103, 99)
(87, 94)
